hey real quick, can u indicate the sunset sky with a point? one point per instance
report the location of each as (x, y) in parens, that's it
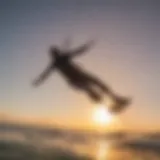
(126, 56)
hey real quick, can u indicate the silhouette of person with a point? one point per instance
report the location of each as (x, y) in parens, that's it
(75, 75)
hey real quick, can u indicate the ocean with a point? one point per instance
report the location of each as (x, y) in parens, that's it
(24, 143)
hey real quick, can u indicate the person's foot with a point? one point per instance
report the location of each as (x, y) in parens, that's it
(120, 104)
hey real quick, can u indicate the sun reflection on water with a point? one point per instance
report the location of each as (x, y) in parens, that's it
(102, 150)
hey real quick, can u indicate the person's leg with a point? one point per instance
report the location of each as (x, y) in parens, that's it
(83, 85)
(98, 83)
(93, 94)
(94, 81)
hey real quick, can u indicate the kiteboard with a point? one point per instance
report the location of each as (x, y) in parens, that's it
(119, 105)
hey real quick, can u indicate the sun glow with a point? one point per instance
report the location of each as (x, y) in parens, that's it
(101, 115)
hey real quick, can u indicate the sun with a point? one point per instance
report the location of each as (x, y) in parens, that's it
(101, 115)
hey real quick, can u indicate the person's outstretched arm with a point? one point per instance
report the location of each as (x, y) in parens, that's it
(44, 75)
(82, 49)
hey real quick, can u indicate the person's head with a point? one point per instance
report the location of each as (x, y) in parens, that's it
(54, 52)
